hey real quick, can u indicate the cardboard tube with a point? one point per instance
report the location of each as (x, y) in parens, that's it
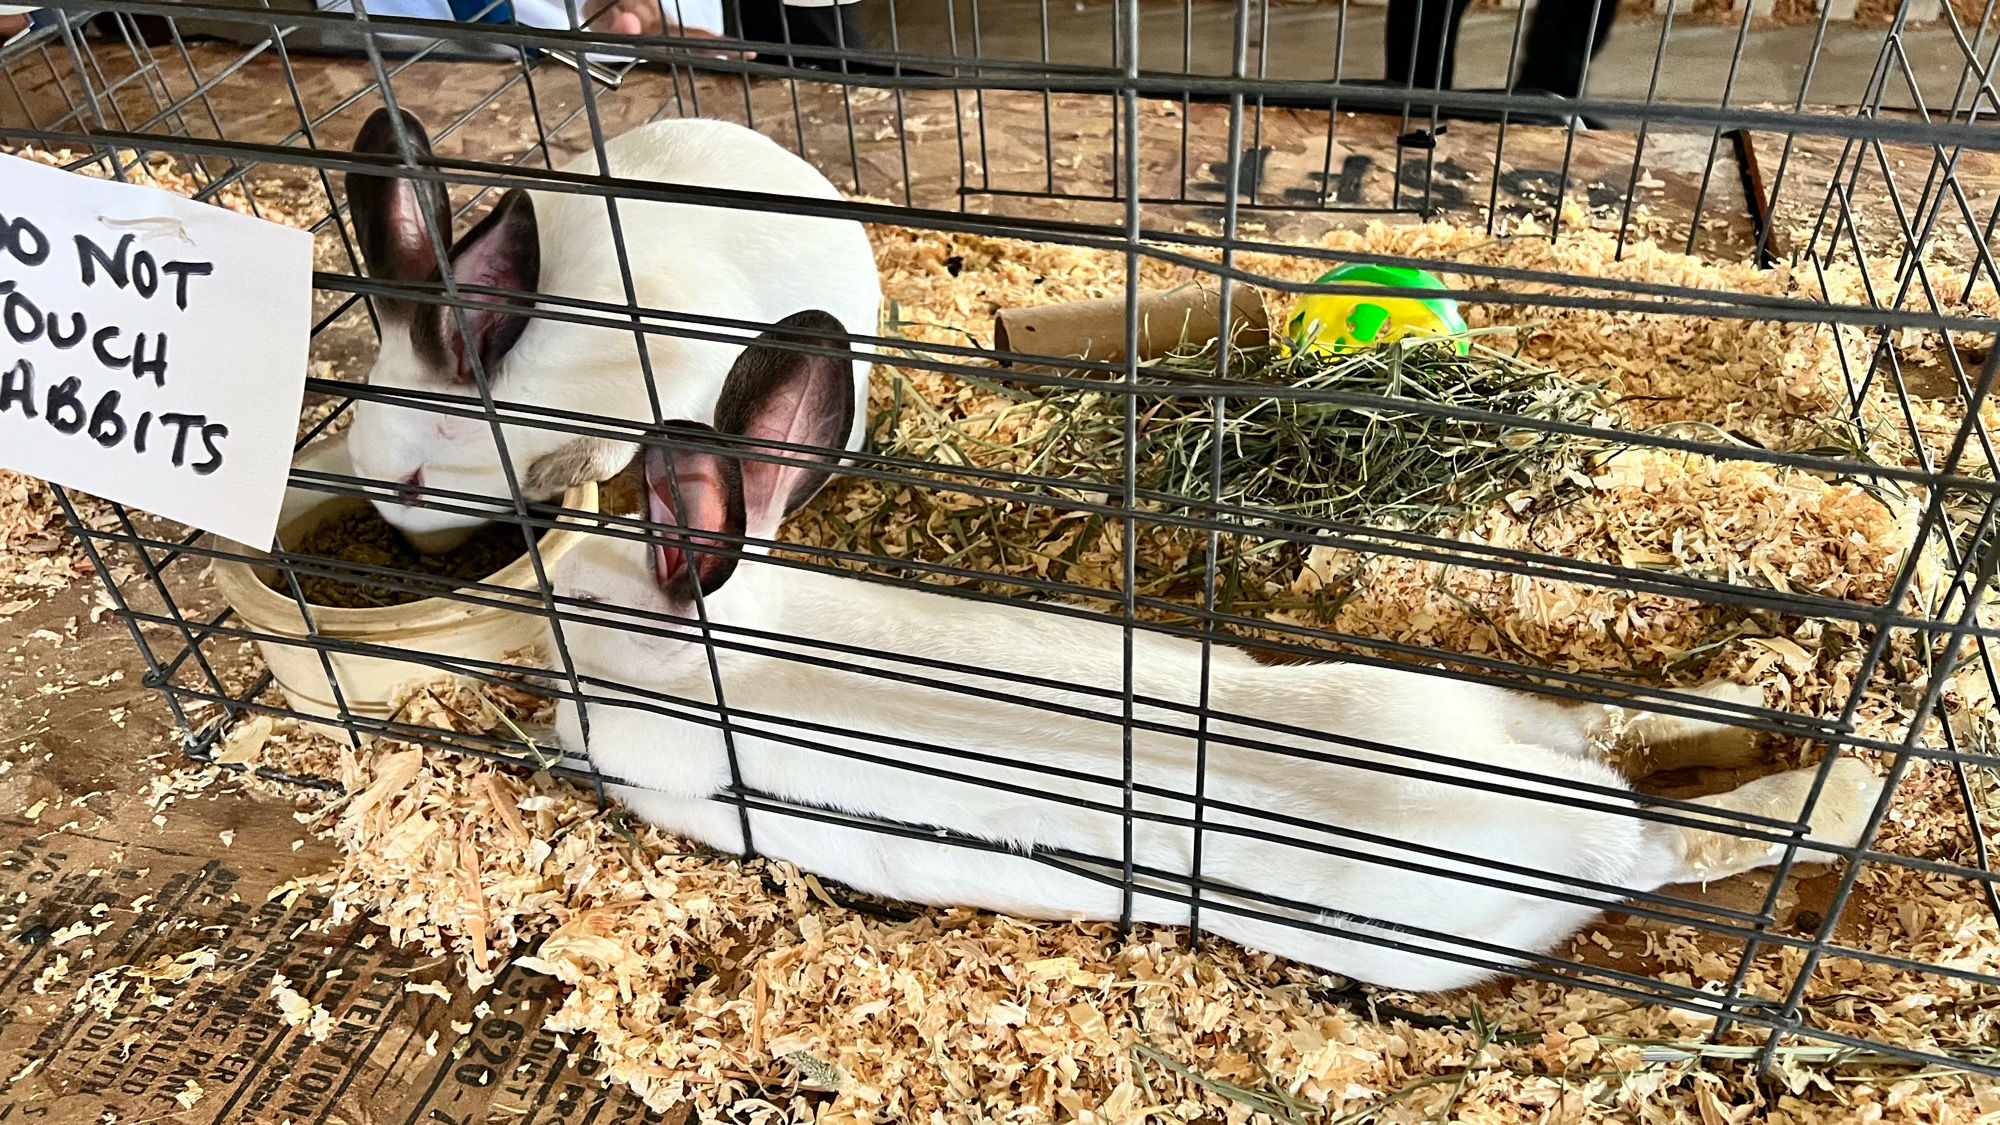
(1096, 329)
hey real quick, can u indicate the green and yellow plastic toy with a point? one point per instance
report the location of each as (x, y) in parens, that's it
(1342, 323)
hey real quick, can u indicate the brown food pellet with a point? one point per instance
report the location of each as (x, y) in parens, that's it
(619, 496)
(361, 535)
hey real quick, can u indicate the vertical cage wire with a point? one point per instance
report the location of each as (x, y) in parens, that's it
(119, 93)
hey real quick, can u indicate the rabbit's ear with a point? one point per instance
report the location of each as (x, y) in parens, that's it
(773, 394)
(389, 212)
(503, 252)
(692, 490)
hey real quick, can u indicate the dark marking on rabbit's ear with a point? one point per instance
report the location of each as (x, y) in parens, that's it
(695, 490)
(388, 212)
(503, 252)
(793, 397)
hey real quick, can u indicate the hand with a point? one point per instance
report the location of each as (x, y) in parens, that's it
(647, 17)
(10, 26)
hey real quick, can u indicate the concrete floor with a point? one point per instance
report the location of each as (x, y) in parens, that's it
(1309, 41)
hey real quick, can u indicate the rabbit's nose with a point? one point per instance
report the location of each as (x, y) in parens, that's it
(410, 492)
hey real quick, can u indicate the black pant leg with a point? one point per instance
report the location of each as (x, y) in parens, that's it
(771, 21)
(1562, 41)
(1422, 42)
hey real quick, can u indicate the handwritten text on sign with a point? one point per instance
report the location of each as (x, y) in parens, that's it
(152, 349)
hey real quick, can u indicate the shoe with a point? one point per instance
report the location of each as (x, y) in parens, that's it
(1583, 122)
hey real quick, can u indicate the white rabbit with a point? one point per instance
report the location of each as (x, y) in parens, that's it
(984, 724)
(713, 261)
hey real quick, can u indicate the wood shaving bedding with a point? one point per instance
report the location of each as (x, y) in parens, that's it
(37, 556)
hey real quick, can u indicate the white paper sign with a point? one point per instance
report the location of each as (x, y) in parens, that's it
(152, 349)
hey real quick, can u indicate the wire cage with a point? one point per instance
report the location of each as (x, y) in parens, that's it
(1722, 414)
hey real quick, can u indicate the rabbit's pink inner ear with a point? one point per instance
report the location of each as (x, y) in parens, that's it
(503, 252)
(694, 490)
(413, 254)
(389, 225)
(390, 212)
(768, 485)
(777, 395)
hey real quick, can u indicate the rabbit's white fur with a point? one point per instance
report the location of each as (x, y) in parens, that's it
(927, 712)
(675, 766)
(714, 261)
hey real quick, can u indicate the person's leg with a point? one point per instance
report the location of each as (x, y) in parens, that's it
(1607, 15)
(1563, 36)
(1421, 42)
(814, 23)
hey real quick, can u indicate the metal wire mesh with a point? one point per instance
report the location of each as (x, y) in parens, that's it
(1159, 135)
